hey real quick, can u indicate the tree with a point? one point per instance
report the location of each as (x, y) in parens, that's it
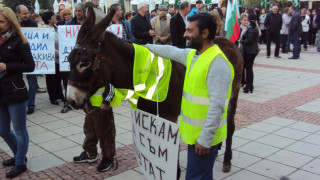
(121, 2)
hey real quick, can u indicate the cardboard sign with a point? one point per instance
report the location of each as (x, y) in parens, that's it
(67, 37)
(42, 45)
(156, 143)
(116, 29)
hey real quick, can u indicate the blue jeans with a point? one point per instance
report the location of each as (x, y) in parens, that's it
(294, 39)
(33, 86)
(200, 167)
(18, 141)
(318, 40)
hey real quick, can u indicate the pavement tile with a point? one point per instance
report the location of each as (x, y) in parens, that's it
(264, 127)
(249, 134)
(271, 169)
(258, 149)
(275, 141)
(240, 159)
(246, 175)
(36, 129)
(68, 154)
(35, 150)
(56, 124)
(126, 125)
(130, 173)
(43, 162)
(305, 148)
(69, 131)
(313, 166)
(217, 170)
(307, 127)
(237, 142)
(303, 175)
(125, 138)
(43, 137)
(290, 158)
(279, 121)
(183, 156)
(77, 138)
(291, 133)
(57, 145)
(313, 139)
(43, 119)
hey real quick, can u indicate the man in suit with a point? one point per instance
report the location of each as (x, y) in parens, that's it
(141, 27)
(178, 25)
(295, 30)
(161, 26)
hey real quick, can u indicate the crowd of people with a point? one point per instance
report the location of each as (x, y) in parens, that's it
(182, 28)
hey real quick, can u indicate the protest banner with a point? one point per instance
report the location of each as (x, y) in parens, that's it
(116, 29)
(156, 143)
(67, 36)
(42, 45)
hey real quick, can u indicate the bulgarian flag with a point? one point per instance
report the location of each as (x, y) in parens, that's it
(232, 23)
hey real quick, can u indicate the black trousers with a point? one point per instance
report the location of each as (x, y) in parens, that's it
(54, 88)
(312, 34)
(284, 39)
(275, 36)
(247, 73)
(262, 38)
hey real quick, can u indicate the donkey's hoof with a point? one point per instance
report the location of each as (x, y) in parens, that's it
(226, 168)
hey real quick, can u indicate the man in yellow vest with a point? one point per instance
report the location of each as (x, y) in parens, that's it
(206, 92)
(99, 126)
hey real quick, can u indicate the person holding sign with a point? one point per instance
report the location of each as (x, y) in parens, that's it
(16, 58)
(207, 89)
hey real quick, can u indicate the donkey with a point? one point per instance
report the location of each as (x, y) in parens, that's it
(100, 58)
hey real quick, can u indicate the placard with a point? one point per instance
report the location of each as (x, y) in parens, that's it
(116, 29)
(156, 143)
(67, 36)
(42, 45)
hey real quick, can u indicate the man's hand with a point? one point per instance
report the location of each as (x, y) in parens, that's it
(104, 107)
(201, 150)
(152, 33)
(3, 67)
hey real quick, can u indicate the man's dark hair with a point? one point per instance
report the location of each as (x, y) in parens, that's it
(205, 21)
(47, 16)
(184, 5)
(114, 6)
(18, 9)
(153, 11)
(294, 8)
(127, 15)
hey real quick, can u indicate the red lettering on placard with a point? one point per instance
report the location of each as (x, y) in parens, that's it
(68, 31)
(40, 65)
(118, 32)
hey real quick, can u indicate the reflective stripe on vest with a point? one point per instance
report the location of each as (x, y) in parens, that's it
(196, 99)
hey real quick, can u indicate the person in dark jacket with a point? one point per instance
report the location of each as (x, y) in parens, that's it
(250, 47)
(22, 13)
(295, 31)
(141, 27)
(117, 19)
(178, 26)
(16, 58)
(273, 24)
(65, 15)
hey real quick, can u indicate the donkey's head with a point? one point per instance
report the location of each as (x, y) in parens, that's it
(85, 60)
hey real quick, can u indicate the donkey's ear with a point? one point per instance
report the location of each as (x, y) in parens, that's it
(101, 27)
(88, 23)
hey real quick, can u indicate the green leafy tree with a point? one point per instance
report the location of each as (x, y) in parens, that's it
(121, 2)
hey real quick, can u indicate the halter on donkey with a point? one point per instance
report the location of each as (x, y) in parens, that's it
(101, 58)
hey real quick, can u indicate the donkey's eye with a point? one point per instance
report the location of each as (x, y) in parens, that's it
(84, 64)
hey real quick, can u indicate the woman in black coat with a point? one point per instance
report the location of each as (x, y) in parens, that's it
(16, 59)
(250, 47)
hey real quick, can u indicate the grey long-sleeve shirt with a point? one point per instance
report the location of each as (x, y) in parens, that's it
(218, 80)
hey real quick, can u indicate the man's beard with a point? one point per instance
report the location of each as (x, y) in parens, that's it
(195, 42)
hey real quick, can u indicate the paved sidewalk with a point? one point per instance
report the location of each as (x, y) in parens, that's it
(277, 136)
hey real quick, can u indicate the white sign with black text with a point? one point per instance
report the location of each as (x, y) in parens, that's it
(156, 143)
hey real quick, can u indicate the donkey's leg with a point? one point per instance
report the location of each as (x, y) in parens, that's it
(230, 130)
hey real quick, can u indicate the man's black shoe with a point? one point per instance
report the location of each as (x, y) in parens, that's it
(268, 56)
(55, 102)
(104, 165)
(10, 162)
(30, 110)
(293, 58)
(84, 158)
(277, 56)
(16, 171)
